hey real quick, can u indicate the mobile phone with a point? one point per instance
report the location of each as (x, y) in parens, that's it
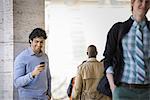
(42, 63)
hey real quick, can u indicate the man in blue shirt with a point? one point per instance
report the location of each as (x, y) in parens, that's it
(127, 55)
(31, 69)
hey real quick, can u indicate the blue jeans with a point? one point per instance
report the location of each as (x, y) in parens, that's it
(125, 93)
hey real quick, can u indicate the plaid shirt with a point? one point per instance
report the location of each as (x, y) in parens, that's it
(128, 44)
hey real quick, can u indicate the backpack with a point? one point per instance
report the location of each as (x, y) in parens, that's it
(103, 85)
(70, 87)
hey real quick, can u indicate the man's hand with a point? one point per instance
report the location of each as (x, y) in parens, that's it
(112, 87)
(38, 69)
(111, 82)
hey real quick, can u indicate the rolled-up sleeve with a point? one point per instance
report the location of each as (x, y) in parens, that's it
(110, 70)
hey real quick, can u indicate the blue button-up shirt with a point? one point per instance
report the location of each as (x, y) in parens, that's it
(24, 64)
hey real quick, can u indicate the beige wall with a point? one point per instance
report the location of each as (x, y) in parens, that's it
(28, 14)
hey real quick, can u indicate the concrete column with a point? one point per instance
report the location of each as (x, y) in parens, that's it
(28, 14)
(6, 49)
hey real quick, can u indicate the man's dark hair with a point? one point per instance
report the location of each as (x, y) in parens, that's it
(37, 32)
(92, 51)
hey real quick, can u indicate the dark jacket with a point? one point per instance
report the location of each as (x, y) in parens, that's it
(113, 50)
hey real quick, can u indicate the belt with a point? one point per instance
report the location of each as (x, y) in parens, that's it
(139, 86)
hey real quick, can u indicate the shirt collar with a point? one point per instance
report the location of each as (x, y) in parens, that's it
(135, 23)
(30, 51)
(91, 59)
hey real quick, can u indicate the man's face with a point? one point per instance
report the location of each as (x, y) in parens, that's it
(37, 44)
(140, 7)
